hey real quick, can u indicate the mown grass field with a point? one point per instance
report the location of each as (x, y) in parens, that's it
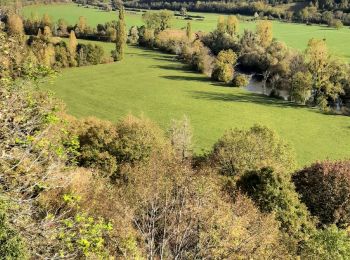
(295, 35)
(159, 87)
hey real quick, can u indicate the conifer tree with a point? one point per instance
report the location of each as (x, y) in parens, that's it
(40, 33)
(189, 31)
(72, 48)
(232, 25)
(121, 36)
(47, 32)
(15, 25)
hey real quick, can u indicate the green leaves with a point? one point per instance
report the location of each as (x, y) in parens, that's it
(84, 235)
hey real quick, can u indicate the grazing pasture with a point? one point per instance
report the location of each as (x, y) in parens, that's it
(295, 35)
(156, 85)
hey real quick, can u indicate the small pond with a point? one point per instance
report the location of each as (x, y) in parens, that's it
(256, 86)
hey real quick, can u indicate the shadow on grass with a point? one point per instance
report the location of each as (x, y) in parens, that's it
(242, 97)
(188, 78)
(156, 56)
(178, 66)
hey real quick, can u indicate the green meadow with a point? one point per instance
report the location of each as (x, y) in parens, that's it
(157, 86)
(295, 35)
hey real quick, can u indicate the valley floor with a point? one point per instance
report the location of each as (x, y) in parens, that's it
(156, 85)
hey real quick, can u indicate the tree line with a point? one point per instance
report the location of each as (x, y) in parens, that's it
(331, 12)
(45, 47)
(313, 77)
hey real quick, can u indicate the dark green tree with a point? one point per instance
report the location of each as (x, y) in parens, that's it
(189, 31)
(118, 55)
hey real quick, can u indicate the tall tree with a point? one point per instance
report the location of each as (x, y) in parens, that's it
(327, 73)
(221, 26)
(189, 31)
(232, 25)
(46, 21)
(47, 32)
(181, 138)
(121, 36)
(82, 24)
(158, 21)
(15, 25)
(72, 48)
(62, 26)
(264, 30)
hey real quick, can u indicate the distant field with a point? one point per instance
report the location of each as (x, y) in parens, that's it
(295, 35)
(154, 84)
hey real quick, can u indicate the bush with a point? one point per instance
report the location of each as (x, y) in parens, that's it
(217, 41)
(223, 73)
(171, 40)
(325, 189)
(198, 57)
(242, 150)
(336, 23)
(223, 70)
(89, 54)
(240, 81)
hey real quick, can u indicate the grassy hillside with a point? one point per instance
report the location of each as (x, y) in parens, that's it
(154, 84)
(295, 35)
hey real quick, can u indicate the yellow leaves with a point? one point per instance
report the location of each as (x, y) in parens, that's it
(171, 35)
(232, 25)
(82, 23)
(227, 57)
(15, 24)
(264, 30)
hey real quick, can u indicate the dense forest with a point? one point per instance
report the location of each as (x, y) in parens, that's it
(92, 189)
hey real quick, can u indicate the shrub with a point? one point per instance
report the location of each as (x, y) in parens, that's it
(146, 36)
(223, 73)
(89, 54)
(171, 40)
(223, 70)
(83, 236)
(198, 56)
(217, 41)
(240, 81)
(241, 150)
(336, 23)
(325, 189)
